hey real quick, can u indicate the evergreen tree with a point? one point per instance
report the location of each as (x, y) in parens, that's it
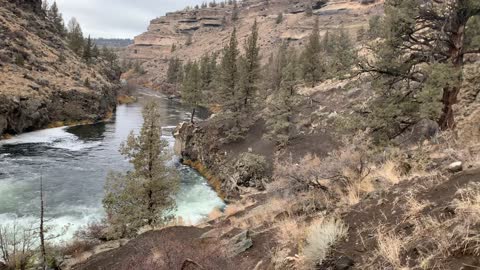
(374, 27)
(281, 108)
(191, 87)
(95, 51)
(174, 71)
(419, 62)
(312, 70)
(279, 62)
(87, 51)
(75, 36)
(344, 55)
(56, 17)
(235, 11)
(208, 70)
(252, 66)
(145, 195)
(45, 7)
(229, 75)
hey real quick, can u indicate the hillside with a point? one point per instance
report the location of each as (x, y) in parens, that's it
(209, 29)
(348, 180)
(42, 82)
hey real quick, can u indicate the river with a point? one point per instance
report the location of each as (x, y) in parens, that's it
(74, 161)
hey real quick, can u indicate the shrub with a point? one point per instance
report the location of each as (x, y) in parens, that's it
(321, 235)
(77, 247)
(92, 232)
(250, 170)
(279, 19)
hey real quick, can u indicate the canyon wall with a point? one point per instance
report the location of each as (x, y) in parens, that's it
(195, 32)
(42, 82)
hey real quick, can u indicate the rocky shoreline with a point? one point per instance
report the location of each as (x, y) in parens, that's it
(22, 114)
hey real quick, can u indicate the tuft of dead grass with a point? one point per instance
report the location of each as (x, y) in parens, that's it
(321, 235)
(290, 231)
(390, 246)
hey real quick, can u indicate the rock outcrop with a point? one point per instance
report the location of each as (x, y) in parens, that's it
(42, 82)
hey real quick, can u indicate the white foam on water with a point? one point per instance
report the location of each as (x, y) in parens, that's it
(62, 228)
(52, 137)
(45, 136)
(194, 204)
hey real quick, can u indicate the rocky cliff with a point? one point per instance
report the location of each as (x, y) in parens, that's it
(208, 29)
(41, 81)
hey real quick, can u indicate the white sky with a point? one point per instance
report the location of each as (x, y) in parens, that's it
(117, 18)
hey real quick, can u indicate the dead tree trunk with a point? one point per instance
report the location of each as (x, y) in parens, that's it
(42, 228)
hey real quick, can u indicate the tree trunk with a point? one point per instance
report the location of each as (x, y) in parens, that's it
(450, 93)
(193, 115)
(42, 229)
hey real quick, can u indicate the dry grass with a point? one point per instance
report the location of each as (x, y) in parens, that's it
(237, 207)
(390, 247)
(290, 231)
(321, 235)
(389, 172)
(414, 207)
(264, 214)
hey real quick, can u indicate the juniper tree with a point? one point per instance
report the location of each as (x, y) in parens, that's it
(191, 87)
(311, 57)
(419, 63)
(143, 196)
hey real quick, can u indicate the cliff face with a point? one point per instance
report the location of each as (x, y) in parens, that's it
(209, 29)
(41, 80)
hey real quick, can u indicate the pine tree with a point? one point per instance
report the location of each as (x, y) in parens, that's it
(145, 195)
(312, 70)
(56, 17)
(252, 66)
(174, 71)
(95, 51)
(235, 11)
(229, 76)
(344, 54)
(87, 51)
(191, 87)
(208, 70)
(281, 108)
(75, 36)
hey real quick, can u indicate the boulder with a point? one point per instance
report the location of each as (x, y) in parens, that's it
(239, 243)
(455, 167)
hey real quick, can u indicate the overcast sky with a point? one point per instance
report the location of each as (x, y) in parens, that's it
(117, 18)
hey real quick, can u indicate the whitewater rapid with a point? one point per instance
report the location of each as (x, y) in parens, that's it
(74, 161)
